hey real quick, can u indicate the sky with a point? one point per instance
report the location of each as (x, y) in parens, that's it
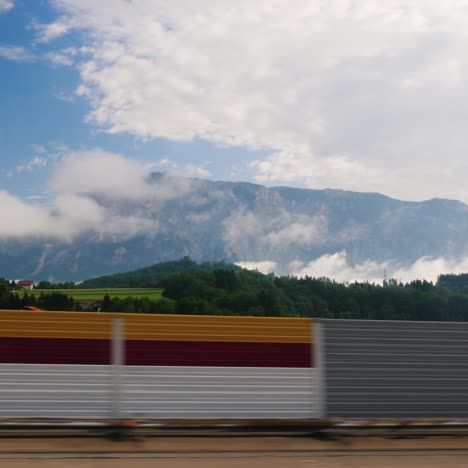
(364, 95)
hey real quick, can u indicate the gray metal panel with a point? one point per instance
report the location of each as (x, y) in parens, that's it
(74, 391)
(384, 369)
(55, 391)
(219, 393)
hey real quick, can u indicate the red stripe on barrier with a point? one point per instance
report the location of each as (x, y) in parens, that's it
(54, 351)
(222, 354)
(156, 353)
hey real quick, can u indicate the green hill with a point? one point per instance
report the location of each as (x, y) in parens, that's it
(152, 276)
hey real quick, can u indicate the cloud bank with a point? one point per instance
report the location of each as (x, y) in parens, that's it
(267, 266)
(85, 195)
(263, 232)
(365, 95)
(337, 267)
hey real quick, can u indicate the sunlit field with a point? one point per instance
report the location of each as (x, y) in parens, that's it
(99, 293)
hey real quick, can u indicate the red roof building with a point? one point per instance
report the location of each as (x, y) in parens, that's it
(26, 284)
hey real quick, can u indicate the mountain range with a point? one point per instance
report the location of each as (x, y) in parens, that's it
(282, 228)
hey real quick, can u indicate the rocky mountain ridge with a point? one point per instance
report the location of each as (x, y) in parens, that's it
(245, 222)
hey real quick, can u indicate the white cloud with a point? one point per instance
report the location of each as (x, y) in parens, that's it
(336, 266)
(42, 158)
(251, 234)
(5, 5)
(361, 95)
(80, 214)
(58, 58)
(39, 149)
(63, 96)
(187, 170)
(336, 171)
(86, 194)
(36, 197)
(19, 217)
(190, 170)
(299, 230)
(70, 216)
(114, 177)
(430, 268)
(263, 267)
(34, 163)
(15, 53)
(49, 32)
(102, 173)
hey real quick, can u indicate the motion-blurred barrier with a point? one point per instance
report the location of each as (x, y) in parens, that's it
(69, 365)
(387, 369)
(89, 365)
(55, 391)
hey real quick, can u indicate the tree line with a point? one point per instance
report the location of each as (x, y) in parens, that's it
(13, 297)
(217, 290)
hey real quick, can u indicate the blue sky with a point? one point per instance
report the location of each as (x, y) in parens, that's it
(40, 115)
(366, 96)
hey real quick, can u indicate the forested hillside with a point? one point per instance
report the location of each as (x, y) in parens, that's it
(151, 277)
(251, 293)
(234, 291)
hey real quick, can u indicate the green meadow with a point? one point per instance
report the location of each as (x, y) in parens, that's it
(99, 293)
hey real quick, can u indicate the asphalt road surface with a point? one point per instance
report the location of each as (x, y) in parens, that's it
(226, 452)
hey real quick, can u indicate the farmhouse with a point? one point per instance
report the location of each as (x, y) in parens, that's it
(26, 284)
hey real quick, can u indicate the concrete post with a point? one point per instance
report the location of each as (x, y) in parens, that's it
(117, 367)
(319, 356)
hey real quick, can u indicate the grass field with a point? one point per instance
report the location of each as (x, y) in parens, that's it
(86, 294)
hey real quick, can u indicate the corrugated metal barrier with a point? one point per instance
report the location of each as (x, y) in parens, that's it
(55, 391)
(89, 365)
(218, 393)
(385, 369)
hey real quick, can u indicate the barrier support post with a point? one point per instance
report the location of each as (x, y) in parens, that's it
(117, 367)
(319, 357)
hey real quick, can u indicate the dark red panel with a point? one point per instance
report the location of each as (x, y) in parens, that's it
(155, 353)
(223, 354)
(54, 351)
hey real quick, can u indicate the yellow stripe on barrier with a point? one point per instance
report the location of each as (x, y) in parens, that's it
(156, 327)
